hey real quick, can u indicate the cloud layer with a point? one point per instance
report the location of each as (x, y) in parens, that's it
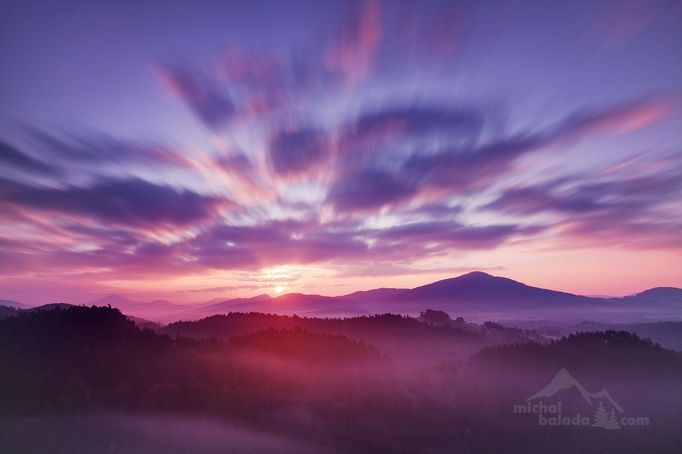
(343, 151)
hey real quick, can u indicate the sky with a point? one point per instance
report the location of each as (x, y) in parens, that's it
(199, 150)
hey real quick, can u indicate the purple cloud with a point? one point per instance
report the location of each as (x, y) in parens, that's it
(274, 242)
(16, 158)
(620, 118)
(368, 189)
(353, 54)
(129, 201)
(234, 163)
(95, 148)
(393, 123)
(206, 98)
(624, 210)
(454, 234)
(295, 152)
(463, 167)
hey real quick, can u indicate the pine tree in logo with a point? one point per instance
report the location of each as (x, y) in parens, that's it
(604, 419)
(600, 416)
(613, 422)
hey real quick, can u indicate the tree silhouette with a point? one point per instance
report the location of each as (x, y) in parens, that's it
(600, 416)
(604, 419)
(435, 317)
(613, 422)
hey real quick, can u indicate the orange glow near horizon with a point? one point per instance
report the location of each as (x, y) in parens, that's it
(392, 147)
(587, 271)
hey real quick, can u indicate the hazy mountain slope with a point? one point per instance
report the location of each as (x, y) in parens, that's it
(378, 294)
(662, 296)
(476, 295)
(157, 310)
(290, 303)
(14, 304)
(483, 288)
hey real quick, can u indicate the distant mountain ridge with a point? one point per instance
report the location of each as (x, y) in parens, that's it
(472, 292)
(14, 304)
(475, 292)
(122, 302)
(480, 287)
(157, 310)
(661, 295)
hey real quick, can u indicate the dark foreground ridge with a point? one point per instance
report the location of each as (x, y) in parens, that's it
(308, 381)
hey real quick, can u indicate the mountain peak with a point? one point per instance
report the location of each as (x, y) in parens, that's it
(661, 292)
(604, 394)
(475, 275)
(483, 289)
(564, 380)
(112, 298)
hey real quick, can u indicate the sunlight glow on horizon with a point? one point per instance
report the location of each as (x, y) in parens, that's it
(379, 148)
